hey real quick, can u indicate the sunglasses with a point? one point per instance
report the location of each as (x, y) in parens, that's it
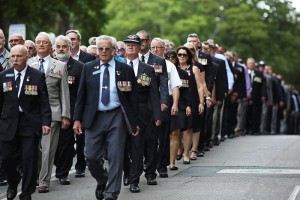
(182, 55)
(104, 48)
(120, 49)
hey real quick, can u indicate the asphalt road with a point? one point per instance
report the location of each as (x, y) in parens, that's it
(250, 168)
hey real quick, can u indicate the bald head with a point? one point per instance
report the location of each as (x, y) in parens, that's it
(18, 57)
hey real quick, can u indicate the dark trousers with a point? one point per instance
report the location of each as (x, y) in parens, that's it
(24, 147)
(202, 138)
(253, 117)
(106, 135)
(163, 154)
(80, 164)
(208, 125)
(219, 122)
(150, 149)
(133, 158)
(65, 152)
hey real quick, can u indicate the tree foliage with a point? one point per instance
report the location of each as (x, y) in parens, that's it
(266, 30)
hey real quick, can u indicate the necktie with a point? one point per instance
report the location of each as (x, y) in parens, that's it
(131, 63)
(42, 65)
(143, 58)
(18, 80)
(105, 86)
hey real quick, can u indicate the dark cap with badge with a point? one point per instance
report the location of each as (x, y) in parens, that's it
(133, 38)
(261, 64)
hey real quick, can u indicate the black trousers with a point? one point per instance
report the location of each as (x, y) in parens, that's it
(65, 152)
(207, 127)
(24, 147)
(150, 149)
(163, 154)
(80, 143)
(133, 156)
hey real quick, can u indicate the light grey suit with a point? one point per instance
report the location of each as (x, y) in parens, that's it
(59, 99)
(6, 63)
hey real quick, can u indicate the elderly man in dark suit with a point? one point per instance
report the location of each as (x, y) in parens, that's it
(148, 108)
(25, 116)
(105, 107)
(65, 149)
(151, 139)
(79, 55)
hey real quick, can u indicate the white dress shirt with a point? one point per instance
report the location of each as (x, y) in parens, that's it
(173, 77)
(23, 72)
(46, 63)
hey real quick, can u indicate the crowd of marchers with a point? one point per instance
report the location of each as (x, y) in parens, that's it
(141, 103)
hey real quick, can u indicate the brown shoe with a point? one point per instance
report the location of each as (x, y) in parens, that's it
(43, 189)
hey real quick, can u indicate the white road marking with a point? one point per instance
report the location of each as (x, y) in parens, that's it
(294, 192)
(259, 171)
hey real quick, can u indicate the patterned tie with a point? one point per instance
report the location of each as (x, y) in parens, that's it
(42, 65)
(18, 80)
(105, 86)
(143, 58)
(131, 63)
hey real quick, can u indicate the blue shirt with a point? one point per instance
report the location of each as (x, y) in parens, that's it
(228, 70)
(114, 101)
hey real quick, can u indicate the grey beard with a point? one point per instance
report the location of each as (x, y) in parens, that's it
(63, 56)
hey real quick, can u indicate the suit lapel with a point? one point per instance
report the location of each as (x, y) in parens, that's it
(141, 69)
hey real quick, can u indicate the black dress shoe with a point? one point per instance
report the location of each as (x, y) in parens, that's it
(99, 192)
(64, 181)
(79, 173)
(200, 154)
(151, 181)
(163, 172)
(125, 181)
(3, 182)
(11, 194)
(134, 188)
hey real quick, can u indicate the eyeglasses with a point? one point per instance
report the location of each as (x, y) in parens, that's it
(153, 48)
(169, 57)
(144, 40)
(182, 55)
(120, 49)
(42, 42)
(14, 40)
(104, 48)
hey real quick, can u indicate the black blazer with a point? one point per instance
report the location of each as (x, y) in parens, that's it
(88, 94)
(221, 78)
(74, 68)
(86, 57)
(210, 71)
(35, 105)
(148, 95)
(258, 87)
(162, 77)
(185, 97)
(239, 85)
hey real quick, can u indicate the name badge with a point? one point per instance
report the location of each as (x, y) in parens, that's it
(124, 86)
(97, 72)
(31, 89)
(144, 80)
(203, 61)
(7, 86)
(9, 75)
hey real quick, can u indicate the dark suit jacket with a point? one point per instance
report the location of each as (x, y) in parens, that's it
(221, 78)
(36, 107)
(74, 68)
(88, 94)
(258, 87)
(206, 61)
(185, 97)
(161, 77)
(86, 57)
(148, 96)
(239, 85)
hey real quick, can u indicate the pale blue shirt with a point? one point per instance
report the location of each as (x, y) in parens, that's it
(2, 56)
(114, 101)
(228, 70)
